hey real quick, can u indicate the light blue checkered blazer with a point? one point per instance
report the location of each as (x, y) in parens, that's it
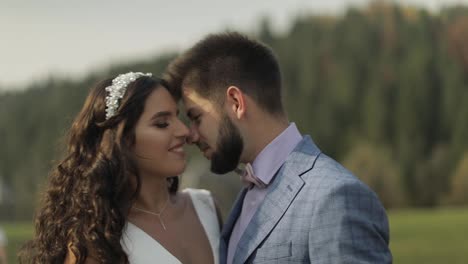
(315, 212)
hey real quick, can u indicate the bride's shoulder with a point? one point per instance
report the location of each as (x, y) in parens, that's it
(194, 191)
(204, 197)
(198, 195)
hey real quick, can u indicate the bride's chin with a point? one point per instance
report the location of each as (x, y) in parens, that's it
(181, 169)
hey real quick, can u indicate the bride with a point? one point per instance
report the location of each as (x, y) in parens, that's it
(114, 197)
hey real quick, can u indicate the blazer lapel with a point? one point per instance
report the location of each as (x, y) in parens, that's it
(229, 225)
(281, 193)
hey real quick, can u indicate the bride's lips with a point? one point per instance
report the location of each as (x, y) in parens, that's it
(178, 149)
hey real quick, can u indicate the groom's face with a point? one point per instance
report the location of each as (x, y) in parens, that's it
(213, 132)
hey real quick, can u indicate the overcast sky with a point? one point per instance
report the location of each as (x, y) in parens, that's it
(71, 38)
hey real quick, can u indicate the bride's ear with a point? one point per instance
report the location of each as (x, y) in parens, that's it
(235, 102)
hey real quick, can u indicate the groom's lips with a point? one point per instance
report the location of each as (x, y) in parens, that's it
(208, 155)
(203, 147)
(206, 152)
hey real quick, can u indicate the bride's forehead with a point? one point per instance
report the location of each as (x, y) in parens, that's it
(160, 99)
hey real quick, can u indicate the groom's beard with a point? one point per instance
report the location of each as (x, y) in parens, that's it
(228, 148)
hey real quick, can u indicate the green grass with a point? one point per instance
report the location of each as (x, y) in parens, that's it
(17, 234)
(417, 236)
(429, 236)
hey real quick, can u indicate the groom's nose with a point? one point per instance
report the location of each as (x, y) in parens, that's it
(193, 135)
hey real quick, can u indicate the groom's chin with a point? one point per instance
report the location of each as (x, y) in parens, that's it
(221, 169)
(222, 166)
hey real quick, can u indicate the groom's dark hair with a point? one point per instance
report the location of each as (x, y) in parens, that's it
(222, 60)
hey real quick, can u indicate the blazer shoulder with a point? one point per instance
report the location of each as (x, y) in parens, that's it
(328, 174)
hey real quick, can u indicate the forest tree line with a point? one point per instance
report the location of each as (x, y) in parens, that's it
(383, 89)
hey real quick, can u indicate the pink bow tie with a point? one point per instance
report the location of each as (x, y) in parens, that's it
(248, 178)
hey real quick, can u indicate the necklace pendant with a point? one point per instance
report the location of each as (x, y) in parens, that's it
(162, 223)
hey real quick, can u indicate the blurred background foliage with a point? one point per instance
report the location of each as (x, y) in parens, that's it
(382, 89)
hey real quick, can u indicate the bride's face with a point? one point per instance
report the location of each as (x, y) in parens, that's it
(160, 137)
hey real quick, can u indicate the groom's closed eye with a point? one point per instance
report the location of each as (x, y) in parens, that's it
(194, 117)
(189, 114)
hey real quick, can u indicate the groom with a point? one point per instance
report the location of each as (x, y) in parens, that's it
(299, 206)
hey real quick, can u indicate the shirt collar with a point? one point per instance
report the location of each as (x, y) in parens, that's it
(272, 157)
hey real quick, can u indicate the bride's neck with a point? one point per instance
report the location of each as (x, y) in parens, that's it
(154, 194)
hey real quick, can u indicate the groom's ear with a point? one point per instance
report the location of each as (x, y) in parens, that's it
(235, 101)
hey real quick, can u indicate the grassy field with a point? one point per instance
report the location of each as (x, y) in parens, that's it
(16, 233)
(429, 236)
(417, 236)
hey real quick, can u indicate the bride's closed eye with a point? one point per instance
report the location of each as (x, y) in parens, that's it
(161, 123)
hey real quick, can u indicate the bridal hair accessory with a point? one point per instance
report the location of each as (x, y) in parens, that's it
(117, 90)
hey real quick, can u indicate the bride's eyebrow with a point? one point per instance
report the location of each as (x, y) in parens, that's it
(161, 114)
(164, 114)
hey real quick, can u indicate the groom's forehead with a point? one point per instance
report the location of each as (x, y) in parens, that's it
(191, 98)
(194, 102)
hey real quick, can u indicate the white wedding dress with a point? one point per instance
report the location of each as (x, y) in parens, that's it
(142, 248)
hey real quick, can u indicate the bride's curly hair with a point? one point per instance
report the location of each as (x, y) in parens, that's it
(90, 191)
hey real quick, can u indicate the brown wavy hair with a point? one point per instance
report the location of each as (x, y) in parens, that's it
(90, 191)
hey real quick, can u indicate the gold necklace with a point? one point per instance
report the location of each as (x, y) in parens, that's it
(156, 214)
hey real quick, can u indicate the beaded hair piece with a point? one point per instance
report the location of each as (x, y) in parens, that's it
(117, 90)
